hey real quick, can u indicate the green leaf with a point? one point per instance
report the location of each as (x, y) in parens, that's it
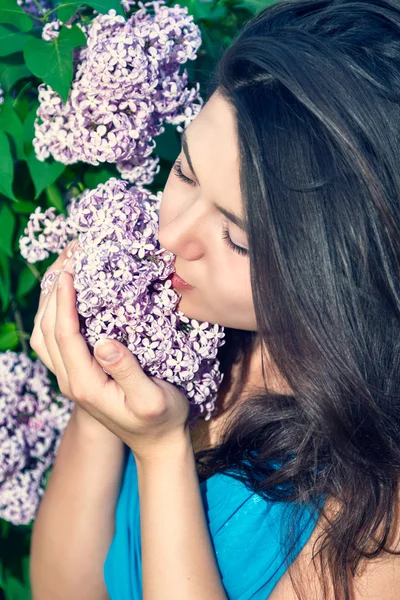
(92, 177)
(217, 13)
(52, 61)
(6, 167)
(255, 6)
(12, 69)
(7, 227)
(42, 173)
(12, 40)
(21, 103)
(11, 124)
(14, 553)
(205, 10)
(17, 590)
(26, 282)
(29, 127)
(11, 13)
(54, 198)
(67, 9)
(168, 144)
(8, 336)
(5, 281)
(24, 207)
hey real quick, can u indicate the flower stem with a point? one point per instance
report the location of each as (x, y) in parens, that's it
(50, 12)
(38, 6)
(34, 271)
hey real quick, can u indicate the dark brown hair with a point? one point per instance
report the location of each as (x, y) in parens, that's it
(315, 86)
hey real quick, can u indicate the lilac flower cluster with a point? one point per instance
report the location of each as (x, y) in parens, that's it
(123, 284)
(1, 95)
(126, 87)
(53, 231)
(32, 419)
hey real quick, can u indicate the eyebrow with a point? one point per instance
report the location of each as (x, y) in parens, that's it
(227, 213)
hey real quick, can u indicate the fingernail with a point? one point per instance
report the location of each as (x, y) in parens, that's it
(106, 351)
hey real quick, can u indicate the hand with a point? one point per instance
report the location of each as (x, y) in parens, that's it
(146, 413)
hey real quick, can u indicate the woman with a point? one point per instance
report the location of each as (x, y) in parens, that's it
(299, 141)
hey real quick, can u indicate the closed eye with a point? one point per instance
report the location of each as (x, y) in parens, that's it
(225, 236)
(177, 168)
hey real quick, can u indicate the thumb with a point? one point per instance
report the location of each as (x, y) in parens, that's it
(123, 367)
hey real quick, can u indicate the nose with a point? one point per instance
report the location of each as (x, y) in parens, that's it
(185, 234)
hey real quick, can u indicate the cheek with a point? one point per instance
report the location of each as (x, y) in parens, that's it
(234, 307)
(233, 291)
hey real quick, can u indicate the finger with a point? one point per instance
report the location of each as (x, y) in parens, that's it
(87, 379)
(143, 393)
(47, 326)
(36, 340)
(55, 268)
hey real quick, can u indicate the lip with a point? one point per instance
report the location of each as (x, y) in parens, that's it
(179, 283)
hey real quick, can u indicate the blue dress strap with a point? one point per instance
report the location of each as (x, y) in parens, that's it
(245, 530)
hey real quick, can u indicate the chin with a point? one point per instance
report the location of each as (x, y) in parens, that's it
(191, 312)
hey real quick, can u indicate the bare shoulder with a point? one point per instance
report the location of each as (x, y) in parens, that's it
(376, 579)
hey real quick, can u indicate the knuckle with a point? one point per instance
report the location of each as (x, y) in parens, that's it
(156, 407)
(77, 392)
(60, 335)
(65, 389)
(33, 342)
(45, 326)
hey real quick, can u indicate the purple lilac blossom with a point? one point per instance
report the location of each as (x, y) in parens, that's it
(126, 87)
(32, 420)
(122, 277)
(1, 95)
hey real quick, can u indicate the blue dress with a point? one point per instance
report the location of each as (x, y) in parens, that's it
(245, 532)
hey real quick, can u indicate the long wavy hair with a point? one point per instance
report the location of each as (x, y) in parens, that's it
(315, 87)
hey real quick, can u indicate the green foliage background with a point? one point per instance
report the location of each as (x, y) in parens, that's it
(25, 183)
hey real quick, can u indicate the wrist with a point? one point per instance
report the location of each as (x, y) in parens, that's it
(178, 448)
(91, 428)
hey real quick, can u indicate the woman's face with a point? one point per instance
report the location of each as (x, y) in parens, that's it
(192, 226)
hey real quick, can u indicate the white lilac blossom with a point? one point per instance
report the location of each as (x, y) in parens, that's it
(122, 277)
(127, 85)
(1, 95)
(127, 5)
(51, 31)
(32, 419)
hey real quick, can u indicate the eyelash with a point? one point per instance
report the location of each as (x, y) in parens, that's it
(178, 172)
(225, 235)
(238, 249)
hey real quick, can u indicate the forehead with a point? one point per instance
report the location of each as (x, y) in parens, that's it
(213, 145)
